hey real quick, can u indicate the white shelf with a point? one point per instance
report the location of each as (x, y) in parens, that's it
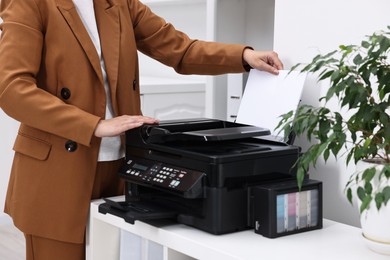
(334, 241)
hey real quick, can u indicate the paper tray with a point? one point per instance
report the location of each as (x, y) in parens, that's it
(138, 210)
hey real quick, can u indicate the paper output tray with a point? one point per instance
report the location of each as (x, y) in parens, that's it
(138, 210)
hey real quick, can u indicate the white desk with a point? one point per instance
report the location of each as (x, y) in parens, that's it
(334, 241)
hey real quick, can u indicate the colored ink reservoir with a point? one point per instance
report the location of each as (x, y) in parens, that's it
(281, 209)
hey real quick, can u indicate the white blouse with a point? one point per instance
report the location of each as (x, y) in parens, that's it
(110, 148)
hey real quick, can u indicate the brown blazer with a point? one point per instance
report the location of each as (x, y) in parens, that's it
(51, 81)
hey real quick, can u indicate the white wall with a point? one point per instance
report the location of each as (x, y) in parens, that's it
(304, 28)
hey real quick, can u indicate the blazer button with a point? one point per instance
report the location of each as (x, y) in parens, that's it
(134, 84)
(65, 93)
(71, 146)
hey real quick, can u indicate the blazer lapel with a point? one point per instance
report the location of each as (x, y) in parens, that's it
(107, 17)
(69, 12)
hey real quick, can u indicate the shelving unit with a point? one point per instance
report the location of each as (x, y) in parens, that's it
(249, 22)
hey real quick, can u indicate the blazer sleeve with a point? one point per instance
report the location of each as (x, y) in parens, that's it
(161, 41)
(21, 46)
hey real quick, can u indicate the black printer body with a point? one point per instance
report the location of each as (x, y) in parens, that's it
(199, 172)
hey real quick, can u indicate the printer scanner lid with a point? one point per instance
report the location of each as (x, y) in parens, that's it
(203, 130)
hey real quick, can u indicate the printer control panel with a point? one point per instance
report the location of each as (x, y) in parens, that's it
(162, 175)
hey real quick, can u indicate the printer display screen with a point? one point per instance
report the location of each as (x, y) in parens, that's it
(140, 167)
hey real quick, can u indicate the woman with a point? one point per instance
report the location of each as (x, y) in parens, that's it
(69, 74)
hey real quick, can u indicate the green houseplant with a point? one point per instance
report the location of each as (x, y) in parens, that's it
(358, 78)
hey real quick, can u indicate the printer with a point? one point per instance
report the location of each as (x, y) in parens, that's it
(199, 172)
(221, 176)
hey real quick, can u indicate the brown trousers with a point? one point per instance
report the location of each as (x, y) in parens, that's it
(107, 184)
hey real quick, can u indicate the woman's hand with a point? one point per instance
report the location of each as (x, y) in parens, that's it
(118, 125)
(263, 60)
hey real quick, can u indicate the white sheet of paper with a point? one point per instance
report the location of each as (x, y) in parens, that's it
(267, 97)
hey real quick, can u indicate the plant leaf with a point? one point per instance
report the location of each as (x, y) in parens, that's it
(300, 177)
(365, 203)
(379, 199)
(368, 174)
(358, 59)
(349, 195)
(386, 194)
(368, 188)
(326, 75)
(361, 193)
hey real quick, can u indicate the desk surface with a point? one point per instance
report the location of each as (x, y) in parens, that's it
(333, 241)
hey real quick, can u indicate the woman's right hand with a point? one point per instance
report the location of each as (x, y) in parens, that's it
(118, 125)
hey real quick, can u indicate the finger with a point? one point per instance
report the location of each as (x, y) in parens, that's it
(269, 68)
(145, 119)
(276, 62)
(150, 120)
(130, 121)
(273, 60)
